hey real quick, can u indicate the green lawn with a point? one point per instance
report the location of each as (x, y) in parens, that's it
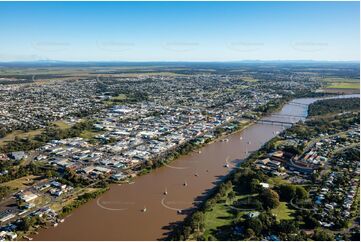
(344, 85)
(249, 79)
(61, 124)
(274, 181)
(120, 97)
(221, 213)
(339, 79)
(219, 216)
(88, 134)
(20, 183)
(20, 134)
(116, 99)
(283, 212)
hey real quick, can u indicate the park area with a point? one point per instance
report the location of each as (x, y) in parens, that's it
(342, 85)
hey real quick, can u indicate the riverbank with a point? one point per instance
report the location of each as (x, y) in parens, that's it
(205, 168)
(230, 204)
(121, 207)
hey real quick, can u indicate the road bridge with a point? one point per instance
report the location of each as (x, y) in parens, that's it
(274, 122)
(288, 116)
(298, 104)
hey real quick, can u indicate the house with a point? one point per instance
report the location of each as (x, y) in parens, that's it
(88, 169)
(3, 157)
(7, 214)
(271, 164)
(28, 196)
(18, 155)
(118, 176)
(56, 192)
(274, 164)
(278, 156)
(102, 169)
(58, 185)
(264, 185)
(301, 167)
(7, 235)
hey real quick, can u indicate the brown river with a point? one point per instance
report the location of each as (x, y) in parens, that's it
(118, 215)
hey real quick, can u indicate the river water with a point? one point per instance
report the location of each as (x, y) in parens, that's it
(118, 215)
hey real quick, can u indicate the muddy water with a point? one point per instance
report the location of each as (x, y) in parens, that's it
(118, 215)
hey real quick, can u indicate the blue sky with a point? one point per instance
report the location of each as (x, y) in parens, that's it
(179, 31)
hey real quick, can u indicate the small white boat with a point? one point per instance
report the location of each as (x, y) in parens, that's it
(241, 138)
(179, 211)
(226, 165)
(185, 183)
(199, 152)
(56, 224)
(144, 209)
(62, 220)
(196, 174)
(165, 192)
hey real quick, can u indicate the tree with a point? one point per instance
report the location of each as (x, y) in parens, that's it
(2, 132)
(269, 199)
(4, 191)
(290, 191)
(301, 192)
(255, 224)
(208, 206)
(197, 221)
(254, 185)
(310, 222)
(27, 222)
(287, 226)
(293, 150)
(323, 235)
(187, 231)
(231, 195)
(287, 192)
(267, 219)
(250, 233)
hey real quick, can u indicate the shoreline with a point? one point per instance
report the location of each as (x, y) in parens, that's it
(131, 180)
(242, 128)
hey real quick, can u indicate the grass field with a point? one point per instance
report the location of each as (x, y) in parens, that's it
(344, 85)
(341, 83)
(20, 134)
(20, 183)
(283, 212)
(120, 97)
(339, 79)
(61, 124)
(222, 215)
(218, 217)
(275, 181)
(249, 79)
(87, 134)
(116, 100)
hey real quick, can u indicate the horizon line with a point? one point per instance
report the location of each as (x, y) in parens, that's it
(174, 61)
